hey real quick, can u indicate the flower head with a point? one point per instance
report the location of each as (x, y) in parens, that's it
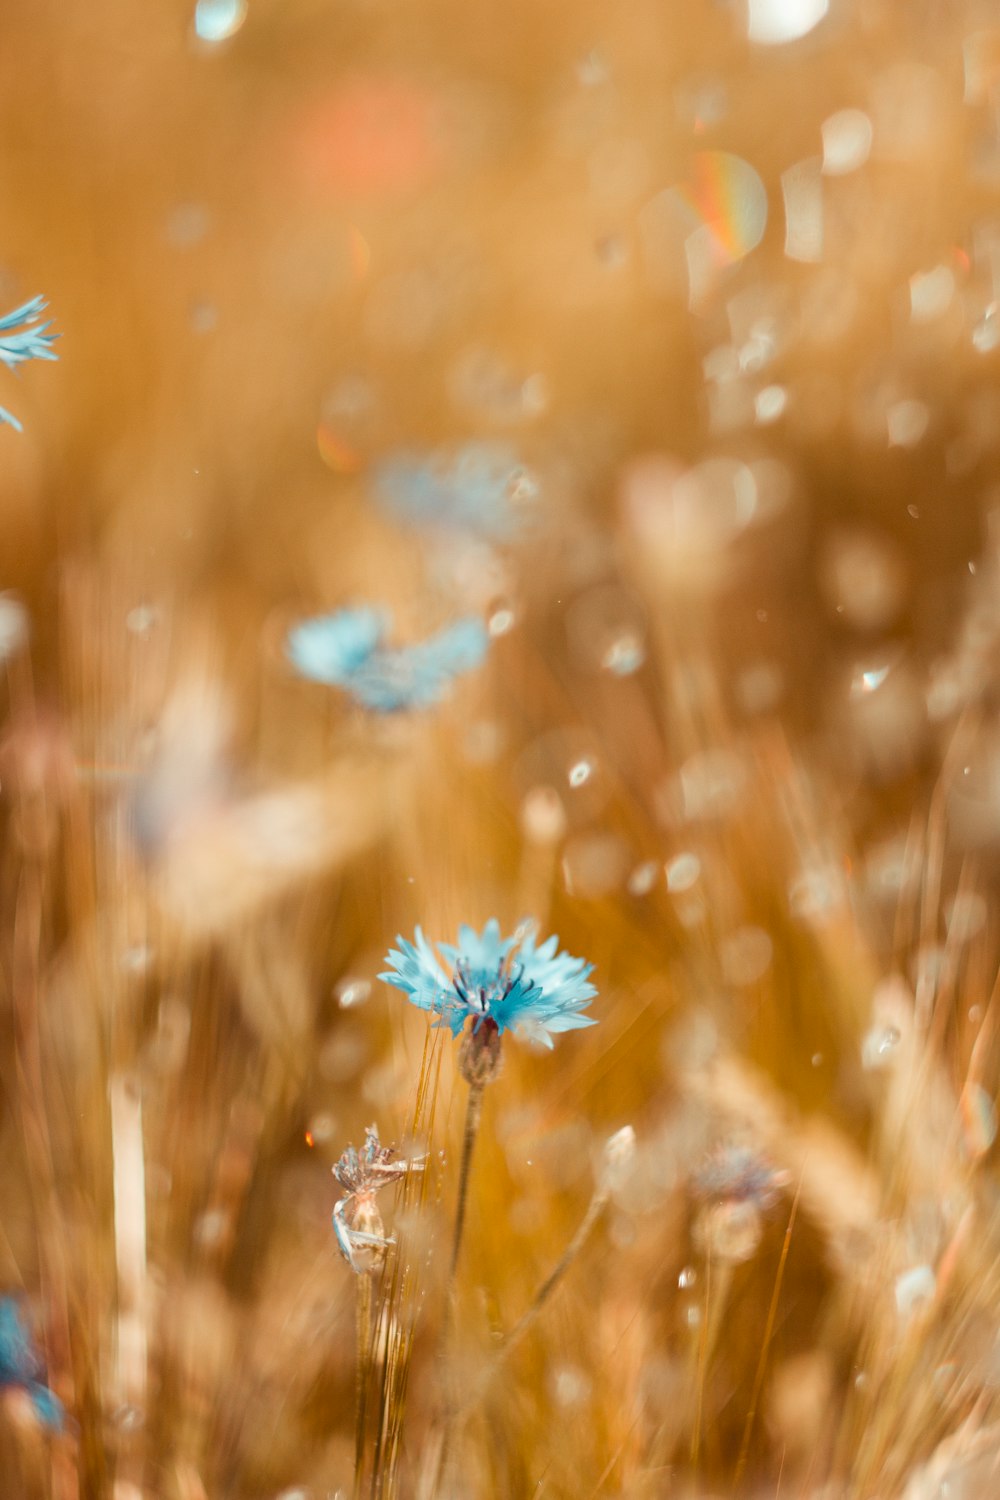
(737, 1186)
(21, 1366)
(22, 338)
(348, 650)
(502, 983)
(476, 487)
(734, 1172)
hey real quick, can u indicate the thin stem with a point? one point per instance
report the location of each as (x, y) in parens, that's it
(772, 1311)
(595, 1208)
(364, 1350)
(473, 1115)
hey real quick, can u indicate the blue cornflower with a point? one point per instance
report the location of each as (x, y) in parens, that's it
(18, 344)
(21, 1366)
(507, 983)
(475, 487)
(347, 650)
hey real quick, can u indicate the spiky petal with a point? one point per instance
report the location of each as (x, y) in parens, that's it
(509, 983)
(347, 650)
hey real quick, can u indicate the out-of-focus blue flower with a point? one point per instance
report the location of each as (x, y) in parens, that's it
(22, 338)
(348, 650)
(480, 487)
(510, 983)
(21, 1366)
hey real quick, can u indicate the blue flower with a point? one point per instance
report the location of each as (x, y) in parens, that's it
(18, 344)
(476, 487)
(347, 650)
(509, 983)
(21, 1366)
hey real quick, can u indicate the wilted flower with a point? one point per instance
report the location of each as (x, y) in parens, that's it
(357, 1222)
(501, 983)
(476, 487)
(347, 650)
(21, 1366)
(30, 340)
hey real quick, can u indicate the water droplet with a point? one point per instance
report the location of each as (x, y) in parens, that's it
(880, 1046)
(543, 817)
(907, 422)
(868, 679)
(141, 620)
(817, 1059)
(580, 773)
(570, 1386)
(774, 22)
(352, 992)
(847, 141)
(864, 572)
(931, 293)
(815, 893)
(687, 1277)
(643, 878)
(594, 864)
(683, 872)
(979, 1120)
(986, 333)
(692, 1315)
(210, 1228)
(217, 20)
(502, 620)
(322, 1127)
(914, 1289)
(769, 404)
(129, 1418)
(624, 655)
(710, 784)
(137, 960)
(483, 742)
(522, 487)
(745, 955)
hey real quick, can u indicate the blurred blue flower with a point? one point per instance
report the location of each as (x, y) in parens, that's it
(347, 650)
(22, 338)
(511, 983)
(476, 487)
(21, 1366)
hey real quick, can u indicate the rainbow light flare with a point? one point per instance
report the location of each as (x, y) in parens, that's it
(697, 229)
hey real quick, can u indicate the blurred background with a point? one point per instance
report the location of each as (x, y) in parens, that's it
(664, 339)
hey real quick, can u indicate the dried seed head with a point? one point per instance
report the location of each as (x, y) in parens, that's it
(619, 1158)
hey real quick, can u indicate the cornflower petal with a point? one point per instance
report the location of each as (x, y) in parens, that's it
(347, 649)
(506, 982)
(21, 1366)
(469, 488)
(23, 338)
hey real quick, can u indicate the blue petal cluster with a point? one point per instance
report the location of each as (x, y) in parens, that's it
(22, 338)
(21, 1366)
(347, 650)
(477, 487)
(513, 983)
